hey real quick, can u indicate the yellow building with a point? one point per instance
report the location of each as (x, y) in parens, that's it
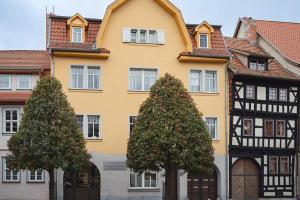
(107, 67)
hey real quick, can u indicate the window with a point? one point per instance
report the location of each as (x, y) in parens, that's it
(142, 79)
(212, 127)
(35, 175)
(258, 64)
(143, 36)
(273, 165)
(77, 77)
(284, 165)
(250, 92)
(203, 41)
(93, 126)
(210, 81)
(5, 81)
(144, 180)
(195, 80)
(248, 127)
(269, 128)
(280, 128)
(10, 120)
(282, 94)
(80, 122)
(77, 34)
(131, 123)
(272, 94)
(152, 37)
(133, 35)
(93, 77)
(24, 82)
(9, 175)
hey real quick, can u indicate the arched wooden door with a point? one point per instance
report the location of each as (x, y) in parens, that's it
(84, 185)
(245, 180)
(203, 187)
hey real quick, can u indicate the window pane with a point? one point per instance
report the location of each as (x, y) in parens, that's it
(135, 79)
(153, 179)
(77, 34)
(139, 179)
(143, 36)
(147, 180)
(195, 81)
(250, 90)
(212, 126)
(284, 165)
(132, 180)
(282, 94)
(248, 125)
(133, 35)
(80, 122)
(210, 81)
(280, 128)
(273, 94)
(152, 37)
(273, 165)
(203, 40)
(24, 82)
(93, 126)
(4, 81)
(8, 115)
(77, 77)
(131, 123)
(93, 77)
(269, 128)
(150, 77)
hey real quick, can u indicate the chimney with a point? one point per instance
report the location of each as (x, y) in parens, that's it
(250, 30)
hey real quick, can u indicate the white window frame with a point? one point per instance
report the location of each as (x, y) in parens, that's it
(200, 80)
(80, 122)
(77, 76)
(77, 33)
(4, 168)
(147, 32)
(129, 123)
(85, 77)
(201, 34)
(216, 81)
(9, 81)
(277, 165)
(252, 126)
(99, 77)
(99, 123)
(29, 180)
(286, 97)
(143, 78)
(280, 163)
(203, 81)
(276, 94)
(284, 129)
(4, 109)
(216, 127)
(29, 84)
(85, 126)
(143, 180)
(254, 92)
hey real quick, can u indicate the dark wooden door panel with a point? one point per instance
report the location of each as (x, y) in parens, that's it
(238, 187)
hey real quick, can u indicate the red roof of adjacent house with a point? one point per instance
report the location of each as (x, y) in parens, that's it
(60, 38)
(285, 36)
(24, 60)
(14, 97)
(246, 48)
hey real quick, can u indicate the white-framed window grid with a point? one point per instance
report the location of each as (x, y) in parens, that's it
(77, 34)
(5, 81)
(283, 94)
(24, 82)
(90, 125)
(248, 127)
(273, 94)
(36, 176)
(144, 36)
(203, 40)
(9, 175)
(144, 180)
(212, 126)
(85, 77)
(250, 92)
(141, 79)
(11, 119)
(203, 81)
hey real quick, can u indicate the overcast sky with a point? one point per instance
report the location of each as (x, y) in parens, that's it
(22, 22)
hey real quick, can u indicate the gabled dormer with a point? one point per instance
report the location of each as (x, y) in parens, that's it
(77, 26)
(203, 33)
(258, 63)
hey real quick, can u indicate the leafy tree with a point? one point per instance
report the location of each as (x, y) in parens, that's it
(48, 137)
(170, 134)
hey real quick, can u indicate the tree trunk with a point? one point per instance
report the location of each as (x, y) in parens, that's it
(171, 183)
(51, 184)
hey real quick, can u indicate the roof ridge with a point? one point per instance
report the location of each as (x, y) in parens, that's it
(274, 21)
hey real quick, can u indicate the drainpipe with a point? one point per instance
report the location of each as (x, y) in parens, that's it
(226, 130)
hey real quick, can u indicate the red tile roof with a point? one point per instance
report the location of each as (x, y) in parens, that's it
(285, 36)
(14, 97)
(275, 70)
(59, 38)
(24, 60)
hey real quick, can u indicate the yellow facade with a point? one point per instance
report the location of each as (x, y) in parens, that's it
(114, 102)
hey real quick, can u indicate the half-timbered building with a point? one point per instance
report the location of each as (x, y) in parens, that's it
(264, 110)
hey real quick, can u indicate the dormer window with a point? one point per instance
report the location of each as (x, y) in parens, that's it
(203, 40)
(77, 34)
(258, 64)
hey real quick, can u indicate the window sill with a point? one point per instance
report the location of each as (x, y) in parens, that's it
(7, 134)
(93, 139)
(138, 92)
(143, 44)
(30, 89)
(143, 190)
(215, 140)
(13, 182)
(205, 93)
(85, 90)
(35, 182)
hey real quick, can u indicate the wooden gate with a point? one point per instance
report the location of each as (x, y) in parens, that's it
(245, 180)
(203, 187)
(84, 185)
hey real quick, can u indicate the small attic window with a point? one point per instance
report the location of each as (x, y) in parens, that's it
(258, 64)
(77, 34)
(203, 40)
